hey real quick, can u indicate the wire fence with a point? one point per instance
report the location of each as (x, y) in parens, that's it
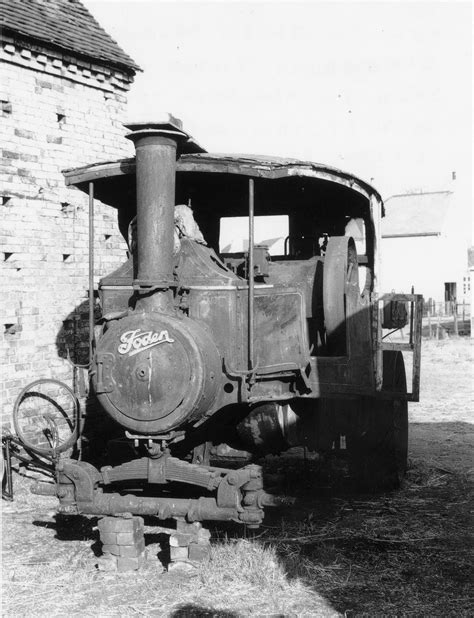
(441, 319)
(446, 309)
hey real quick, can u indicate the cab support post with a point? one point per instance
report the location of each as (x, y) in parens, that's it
(250, 275)
(91, 271)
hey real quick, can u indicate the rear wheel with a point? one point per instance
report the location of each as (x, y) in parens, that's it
(379, 442)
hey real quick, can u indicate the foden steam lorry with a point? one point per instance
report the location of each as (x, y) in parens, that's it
(201, 350)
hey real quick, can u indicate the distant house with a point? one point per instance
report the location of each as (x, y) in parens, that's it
(63, 86)
(422, 246)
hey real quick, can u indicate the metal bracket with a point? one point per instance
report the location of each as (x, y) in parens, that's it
(83, 477)
(414, 345)
(145, 286)
(105, 363)
(229, 489)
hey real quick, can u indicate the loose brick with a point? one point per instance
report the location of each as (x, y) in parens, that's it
(204, 535)
(179, 553)
(128, 538)
(183, 526)
(181, 540)
(120, 525)
(107, 563)
(108, 538)
(111, 549)
(198, 551)
(129, 564)
(132, 551)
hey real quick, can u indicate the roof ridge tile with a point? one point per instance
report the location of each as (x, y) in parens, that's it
(64, 24)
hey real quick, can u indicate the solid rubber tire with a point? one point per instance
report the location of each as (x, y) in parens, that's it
(378, 445)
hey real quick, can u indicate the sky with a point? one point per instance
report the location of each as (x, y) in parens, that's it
(379, 89)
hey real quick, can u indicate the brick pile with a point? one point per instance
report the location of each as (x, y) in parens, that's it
(190, 544)
(123, 543)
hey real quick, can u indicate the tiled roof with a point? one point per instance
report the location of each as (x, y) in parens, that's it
(64, 24)
(416, 213)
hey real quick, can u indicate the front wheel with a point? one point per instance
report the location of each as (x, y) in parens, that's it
(379, 442)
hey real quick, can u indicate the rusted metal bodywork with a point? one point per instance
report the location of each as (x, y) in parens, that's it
(200, 348)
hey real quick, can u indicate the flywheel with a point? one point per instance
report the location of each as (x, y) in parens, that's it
(340, 291)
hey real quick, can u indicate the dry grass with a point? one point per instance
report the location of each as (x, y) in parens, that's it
(405, 553)
(49, 569)
(447, 378)
(399, 554)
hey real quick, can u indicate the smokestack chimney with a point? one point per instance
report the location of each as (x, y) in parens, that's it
(156, 145)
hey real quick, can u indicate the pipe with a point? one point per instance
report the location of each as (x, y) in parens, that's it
(156, 148)
(250, 275)
(91, 271)
(199, 509)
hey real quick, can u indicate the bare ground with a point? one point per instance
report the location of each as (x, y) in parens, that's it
(404, 553)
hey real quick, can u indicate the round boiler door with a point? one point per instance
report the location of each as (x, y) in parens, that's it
(151, 372)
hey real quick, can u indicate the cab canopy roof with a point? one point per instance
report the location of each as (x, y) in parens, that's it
(203, 176)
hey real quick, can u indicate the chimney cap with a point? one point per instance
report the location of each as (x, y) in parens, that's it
(162, 120)
(165, 124)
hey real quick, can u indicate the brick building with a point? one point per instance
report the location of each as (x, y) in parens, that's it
(63, 86)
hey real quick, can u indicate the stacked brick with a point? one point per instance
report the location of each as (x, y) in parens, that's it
(57, 112)
(123, 543)
(190, 544)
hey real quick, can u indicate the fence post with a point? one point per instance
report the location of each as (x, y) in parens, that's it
(455, 318)
(429, 323)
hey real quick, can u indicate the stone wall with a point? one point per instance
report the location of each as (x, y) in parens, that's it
(57, 112)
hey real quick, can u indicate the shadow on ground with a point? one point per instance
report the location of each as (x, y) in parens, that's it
(401, 552)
